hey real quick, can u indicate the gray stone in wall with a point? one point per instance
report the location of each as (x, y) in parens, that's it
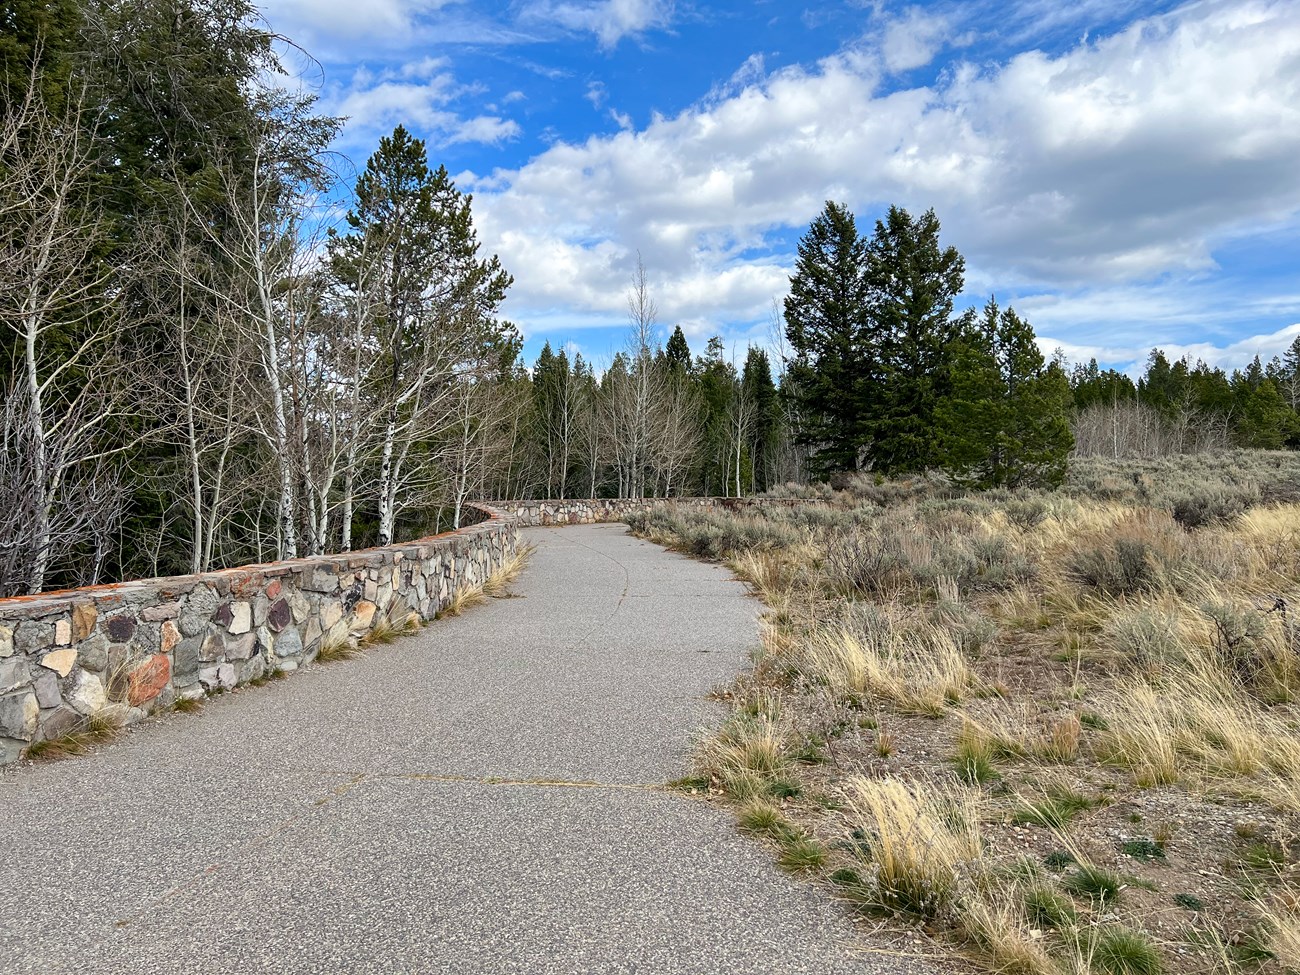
(92, 653)
(163, 611)
(240, 647)
(6, 641)
(200, 605)
(221, 677)
(14, 672)
(18, 715)
(299, 604)
(213, 646)
(250, 669)
(87, 694)
(288, 643)
(47, 691)
(312, 634)
(261, 605)
(57, 722)
(265, 640)
(32, 636)
(185, 661)
(322, 579)
(11, 749)
(241, 618)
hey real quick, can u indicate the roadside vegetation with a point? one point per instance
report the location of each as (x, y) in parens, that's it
(1059, 732)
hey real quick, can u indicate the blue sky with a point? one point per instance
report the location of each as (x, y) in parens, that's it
(1126, 174)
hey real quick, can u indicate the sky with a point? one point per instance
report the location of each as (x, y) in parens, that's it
(1126, 175)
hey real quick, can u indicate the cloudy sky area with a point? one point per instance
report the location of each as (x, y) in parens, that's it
(1126, 174)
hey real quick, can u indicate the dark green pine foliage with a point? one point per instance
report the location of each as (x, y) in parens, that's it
(1091, 385)
(677, 353)
(1006, 420)
(37, 41)
(759, 391)
(715, 380)
(417, 228)
(1263, 418)
(834, 372)
(911, 282)
(553, 419)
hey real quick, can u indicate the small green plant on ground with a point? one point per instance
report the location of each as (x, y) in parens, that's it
(1093, 882)
(1045, 908)
(1054, 810)
(1122, 951)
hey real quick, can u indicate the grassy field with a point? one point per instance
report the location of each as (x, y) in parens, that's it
(1056, 732)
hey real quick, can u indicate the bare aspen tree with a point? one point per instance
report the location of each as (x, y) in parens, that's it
(69, 385)
(274, 199)
(643, 386)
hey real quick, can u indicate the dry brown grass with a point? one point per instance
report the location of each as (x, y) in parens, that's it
(920, 670)
(498, 583)
(1281, 916)
(101, 727)
(462, 599)
(1147, 679)
(922, 840)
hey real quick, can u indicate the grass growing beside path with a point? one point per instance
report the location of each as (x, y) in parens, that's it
(1057, 731)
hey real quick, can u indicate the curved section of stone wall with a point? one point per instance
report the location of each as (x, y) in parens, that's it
(590, 511)
(135, 647)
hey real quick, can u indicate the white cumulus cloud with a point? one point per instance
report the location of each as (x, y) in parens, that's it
(1124, 158)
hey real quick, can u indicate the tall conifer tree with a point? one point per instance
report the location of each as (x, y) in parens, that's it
(833, 373)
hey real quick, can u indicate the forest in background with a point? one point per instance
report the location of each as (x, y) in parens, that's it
(206, 365)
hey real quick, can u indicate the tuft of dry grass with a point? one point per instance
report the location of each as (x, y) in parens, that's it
(997, 926)
(919, 670)
(1280, 914)
(388, 628)
(497, 584)
(333, 649)
(922, 840)
(101, 727)
(462, 599)
(753, 744)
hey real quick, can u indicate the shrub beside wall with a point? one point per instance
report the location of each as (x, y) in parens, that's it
(126, 650)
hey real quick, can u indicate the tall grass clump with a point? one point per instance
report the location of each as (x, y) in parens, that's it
(747, 756)
(922, 840)
(919, 670)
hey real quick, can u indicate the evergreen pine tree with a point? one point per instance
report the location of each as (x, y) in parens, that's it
(677, 353)
(760, 392)
(1005, 422)
(911, 284)
(833, 373)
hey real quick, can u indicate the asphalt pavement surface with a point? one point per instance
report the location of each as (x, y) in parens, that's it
(484, 797)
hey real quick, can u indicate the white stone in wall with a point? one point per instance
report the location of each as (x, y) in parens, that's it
(87, 694)
(242, 618)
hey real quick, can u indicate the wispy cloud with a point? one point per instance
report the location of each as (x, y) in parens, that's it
(609, 20)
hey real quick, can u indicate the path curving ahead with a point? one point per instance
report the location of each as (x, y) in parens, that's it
(485, 797)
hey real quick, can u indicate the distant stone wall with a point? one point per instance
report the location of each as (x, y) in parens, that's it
(136, 647)
(590, 511)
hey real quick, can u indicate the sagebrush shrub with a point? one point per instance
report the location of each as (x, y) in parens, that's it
(1124, 568)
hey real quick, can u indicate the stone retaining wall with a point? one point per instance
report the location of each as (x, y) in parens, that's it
(589, 511)
(136, 647)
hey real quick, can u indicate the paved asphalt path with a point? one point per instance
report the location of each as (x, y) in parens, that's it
(485, 797)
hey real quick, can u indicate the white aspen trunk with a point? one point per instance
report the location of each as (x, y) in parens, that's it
(387, 492)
